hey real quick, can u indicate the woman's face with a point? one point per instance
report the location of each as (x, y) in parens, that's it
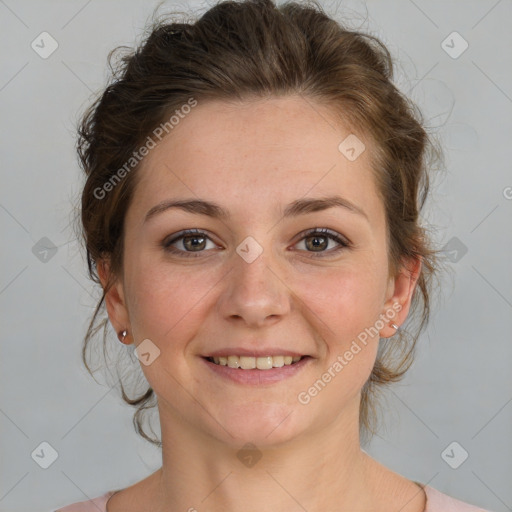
(254, 282)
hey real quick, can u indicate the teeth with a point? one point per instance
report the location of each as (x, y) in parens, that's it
(250, 363)
(233, 362)
(247, 363)
(264, 363)
(277, 361)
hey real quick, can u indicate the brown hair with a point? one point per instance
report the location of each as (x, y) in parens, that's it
(255, 49)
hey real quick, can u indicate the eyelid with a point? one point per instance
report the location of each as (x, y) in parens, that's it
(326, 231)
(175, 237)
(342, 241)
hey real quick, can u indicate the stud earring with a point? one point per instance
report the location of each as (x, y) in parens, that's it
(122, 335)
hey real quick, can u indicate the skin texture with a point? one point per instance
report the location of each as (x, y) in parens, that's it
(253, 159)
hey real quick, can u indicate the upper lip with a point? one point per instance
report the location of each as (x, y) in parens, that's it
(240, 351)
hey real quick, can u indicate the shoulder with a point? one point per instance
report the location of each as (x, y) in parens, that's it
(439, 502)
(436, 502)
(98, 504)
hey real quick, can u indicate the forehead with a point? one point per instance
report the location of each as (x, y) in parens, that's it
(276, 149)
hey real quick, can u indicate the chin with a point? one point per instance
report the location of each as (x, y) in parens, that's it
(262, 424)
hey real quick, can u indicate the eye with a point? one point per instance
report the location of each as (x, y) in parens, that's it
(188, 241)
(317, 240)
(193, 242)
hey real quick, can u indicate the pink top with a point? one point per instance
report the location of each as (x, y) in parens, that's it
(436, 502)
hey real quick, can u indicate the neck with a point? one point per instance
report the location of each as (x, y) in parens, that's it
(202, 472)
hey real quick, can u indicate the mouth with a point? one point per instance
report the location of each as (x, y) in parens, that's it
(257, 370)
(255, 363)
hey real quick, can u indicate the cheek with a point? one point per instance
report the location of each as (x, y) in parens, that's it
(165, 303)
(346, 300)
(343, 305)
(167, 307)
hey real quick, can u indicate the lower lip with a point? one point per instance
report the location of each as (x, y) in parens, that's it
(258, 377)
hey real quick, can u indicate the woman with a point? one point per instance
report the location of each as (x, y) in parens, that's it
(251, 210)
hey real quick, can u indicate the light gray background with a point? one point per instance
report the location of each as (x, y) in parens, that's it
(459, 389)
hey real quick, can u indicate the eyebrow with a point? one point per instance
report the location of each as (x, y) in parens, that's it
(298, 207)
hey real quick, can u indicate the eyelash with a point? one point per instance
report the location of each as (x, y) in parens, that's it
(323, 232)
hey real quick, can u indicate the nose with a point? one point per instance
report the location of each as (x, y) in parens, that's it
(254, 293)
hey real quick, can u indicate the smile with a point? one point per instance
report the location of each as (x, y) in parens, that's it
(256, 371)
(251, 363)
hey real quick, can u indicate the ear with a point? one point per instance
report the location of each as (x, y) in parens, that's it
(399, 295)
(114, 297)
